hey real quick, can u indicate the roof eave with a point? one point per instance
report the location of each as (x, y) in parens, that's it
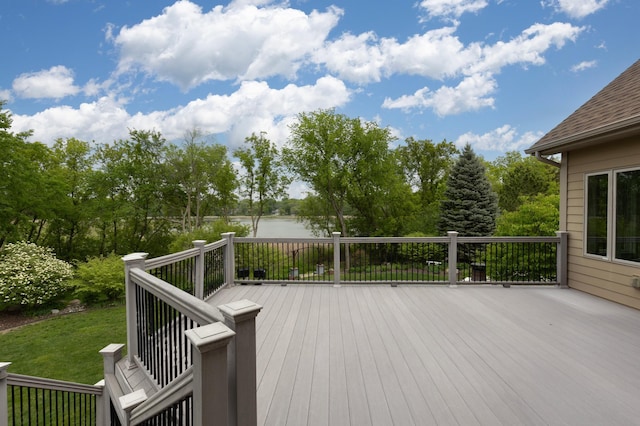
(614, 131)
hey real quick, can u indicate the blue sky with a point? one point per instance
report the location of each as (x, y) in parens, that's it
(497, 74)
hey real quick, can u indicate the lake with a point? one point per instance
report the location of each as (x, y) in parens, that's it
(277, 227)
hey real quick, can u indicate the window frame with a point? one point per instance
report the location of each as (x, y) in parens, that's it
(612, 186)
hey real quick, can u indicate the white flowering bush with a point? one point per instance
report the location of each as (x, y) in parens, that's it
(31, 275)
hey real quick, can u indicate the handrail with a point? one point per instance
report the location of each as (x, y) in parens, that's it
(14, 379)
(171, 258)
(175, 391)
(215, 245)
(192, 307)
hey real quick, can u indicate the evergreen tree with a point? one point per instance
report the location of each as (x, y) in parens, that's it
(470, 206)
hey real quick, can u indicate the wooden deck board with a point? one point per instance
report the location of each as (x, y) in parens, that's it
(359, 355)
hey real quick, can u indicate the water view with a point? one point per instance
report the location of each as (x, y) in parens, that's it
(278, 227)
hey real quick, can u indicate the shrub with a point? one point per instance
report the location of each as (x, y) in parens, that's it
(31, 275)
(210, 232)
(100, 280)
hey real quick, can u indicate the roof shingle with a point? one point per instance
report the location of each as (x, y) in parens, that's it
(613, 107)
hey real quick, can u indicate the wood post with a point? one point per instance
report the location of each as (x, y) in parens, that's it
(131, 261)
(562, 259)
(198, 282)
(229, 259)
(4, 408)
(453, 258)
(210, 375)
(240, 317)
(111, 354)
(336, 259)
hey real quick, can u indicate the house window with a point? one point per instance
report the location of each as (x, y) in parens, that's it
(612, 215)
(627, 225)
(597, 214)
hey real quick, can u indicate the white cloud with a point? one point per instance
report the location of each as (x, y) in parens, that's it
(57, 82)
(471, 94)
(5, 95)
(438, 54)
(502, 139)
(452, 8)
(254, 107)
(526, 48)
(187, 47)
(577, 9)
(584, 65)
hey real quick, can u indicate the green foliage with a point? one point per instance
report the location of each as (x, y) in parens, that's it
(31, 275)
(470, 205)
(347, 163)
(100, 280)
(535, 216)
(426, 166)
(210, 232)
(201, 181)
(517, 179)
(263, 180)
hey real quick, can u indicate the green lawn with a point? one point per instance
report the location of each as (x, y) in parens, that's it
(65, 347)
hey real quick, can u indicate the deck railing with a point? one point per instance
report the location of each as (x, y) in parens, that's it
(174, 336)
(27, 400)
(198, 361)
(450, 260)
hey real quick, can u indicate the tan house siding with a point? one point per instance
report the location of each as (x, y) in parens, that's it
(604, 278)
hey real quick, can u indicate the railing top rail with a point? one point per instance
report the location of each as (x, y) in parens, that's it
(191, 306)
(215, 245)
(178, 389)
(52, 384)
(508, 239)
(394, 240)
(282, 240)
(171, 258)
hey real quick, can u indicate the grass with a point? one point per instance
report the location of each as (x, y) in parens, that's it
(65, 347)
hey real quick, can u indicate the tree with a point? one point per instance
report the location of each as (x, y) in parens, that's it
(518, 179)
(26, 194)
(347, 164)
(202, 180)
(70, 229)
(426, 166)
(132, 183)
(470, 205)
(535, 216)
(263, 180)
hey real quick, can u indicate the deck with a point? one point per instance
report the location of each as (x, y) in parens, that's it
(360, 355)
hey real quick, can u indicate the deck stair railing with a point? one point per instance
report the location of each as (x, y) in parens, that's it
(27, 400)
(195, 364)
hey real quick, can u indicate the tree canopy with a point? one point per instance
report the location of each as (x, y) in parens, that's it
(470, 206)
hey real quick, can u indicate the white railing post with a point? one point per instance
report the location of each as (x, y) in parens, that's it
(4, 396)
(111, 354)
(229, 259)
(453, 258)
(198, 283)
(131, 261)
(562, 258)
(210, 375)
(336, 259)
(240, 317)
